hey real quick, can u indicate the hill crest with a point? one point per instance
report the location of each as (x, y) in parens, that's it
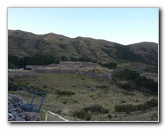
(22, 43)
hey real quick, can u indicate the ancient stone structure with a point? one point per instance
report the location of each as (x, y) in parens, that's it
(64, 65)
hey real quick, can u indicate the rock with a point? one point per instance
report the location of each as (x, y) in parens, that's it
(16, 104)
(18, 118)
(11, 117)
(92, 89)
(23, 115)
(18, 109)
(30, 116)
(15, 111)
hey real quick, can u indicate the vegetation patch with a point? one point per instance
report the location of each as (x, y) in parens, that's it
(109, 116)
(124, 53)
(64, 93)
(130, 107)
(108, 65)
(24, 87)
(135, 81)
(86, 112)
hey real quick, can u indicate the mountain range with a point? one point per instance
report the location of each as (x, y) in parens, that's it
(22, 43)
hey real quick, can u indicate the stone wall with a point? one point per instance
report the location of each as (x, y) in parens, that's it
(65, 65)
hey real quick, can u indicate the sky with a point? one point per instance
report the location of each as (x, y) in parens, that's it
(121, 25)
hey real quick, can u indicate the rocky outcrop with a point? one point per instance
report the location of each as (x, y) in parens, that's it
(15, 111)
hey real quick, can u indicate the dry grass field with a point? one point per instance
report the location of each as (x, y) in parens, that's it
(81, 98)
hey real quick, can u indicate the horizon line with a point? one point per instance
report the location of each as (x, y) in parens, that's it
(81, 37)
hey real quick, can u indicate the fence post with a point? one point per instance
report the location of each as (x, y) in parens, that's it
(46, 115)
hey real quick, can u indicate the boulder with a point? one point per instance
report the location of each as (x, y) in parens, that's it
(15, 111)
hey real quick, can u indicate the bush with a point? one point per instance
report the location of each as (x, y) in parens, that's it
(44, 86)
(64, 102)
(96, 109)
(123, 101)
(82, 114)
(127, 86)
(129, 107)
(86, 112)
(64, 93)
(109, 116)
(125, 108)
(135, 81)
(142, 107)
(108, 65)
(152, 103)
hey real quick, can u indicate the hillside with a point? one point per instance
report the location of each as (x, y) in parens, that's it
(85, 79)
(21, 43)
(147, 50)
(126, 96)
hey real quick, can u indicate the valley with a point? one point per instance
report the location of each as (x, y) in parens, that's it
(85, 79)
(68, 93)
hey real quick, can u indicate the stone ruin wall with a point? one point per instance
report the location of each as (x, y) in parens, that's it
(67, 67)
(64, 65)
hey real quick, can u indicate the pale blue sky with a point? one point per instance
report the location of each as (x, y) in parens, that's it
(121, 25)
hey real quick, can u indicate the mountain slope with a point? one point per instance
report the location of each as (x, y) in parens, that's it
(23, 43)
(147, 50)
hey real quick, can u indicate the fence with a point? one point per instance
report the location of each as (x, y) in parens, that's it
(50, 116)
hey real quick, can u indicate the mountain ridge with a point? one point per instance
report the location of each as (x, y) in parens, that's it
(22, 43)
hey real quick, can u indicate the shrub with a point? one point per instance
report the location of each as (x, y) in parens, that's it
(64, 102)
(129, 107)
(96, 109)
(152, 103)
(142, 107)
(123, 101)
(86, 112)
(64, 93)
(44, 86)
(109, 116)
(125, 108)
(127, 86)
(82, 114)
(109, 65)
(135, 81)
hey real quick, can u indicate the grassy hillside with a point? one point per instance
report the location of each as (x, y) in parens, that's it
(81, 91)
(23, 43)
(148, 51)
(80, 98)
